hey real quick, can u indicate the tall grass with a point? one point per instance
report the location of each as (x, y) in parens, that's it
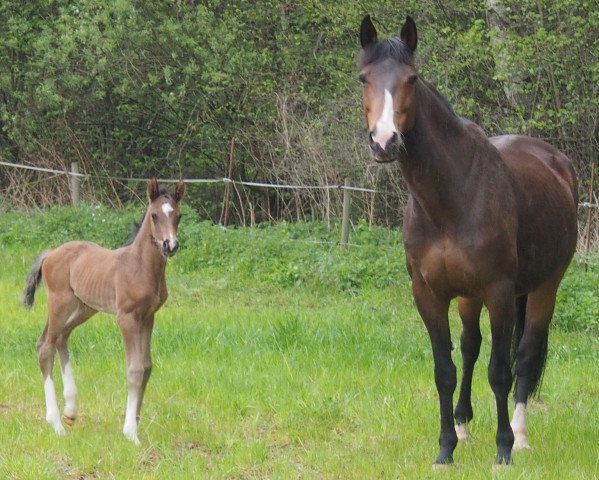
(275, 357)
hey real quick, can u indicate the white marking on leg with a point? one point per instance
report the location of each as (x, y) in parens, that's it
(461, 430)
(130, 427)
(167, 208)
(52, 413)
(519, 427)
(385, 127)
(69, 391)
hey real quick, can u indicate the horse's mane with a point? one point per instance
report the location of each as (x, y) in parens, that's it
(393, 47)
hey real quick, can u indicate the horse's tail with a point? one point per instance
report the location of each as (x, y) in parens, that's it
(537, 370)
(33, 280)
(518, 327)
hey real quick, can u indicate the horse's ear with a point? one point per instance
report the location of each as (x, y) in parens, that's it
(408, 35)
(153, 190)
(179, 191)
(367, 32)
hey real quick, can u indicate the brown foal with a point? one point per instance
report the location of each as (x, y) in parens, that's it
(82, 278)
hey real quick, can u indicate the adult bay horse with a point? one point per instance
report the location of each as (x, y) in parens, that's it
(82, 278)
(491, 221)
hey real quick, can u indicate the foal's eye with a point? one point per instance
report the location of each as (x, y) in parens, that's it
(412, 79)
(363, 79)
(154, 217)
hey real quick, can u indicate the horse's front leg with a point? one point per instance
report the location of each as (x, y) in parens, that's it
(470, 341)
(433, 311)
(137, 333)
(500, 301)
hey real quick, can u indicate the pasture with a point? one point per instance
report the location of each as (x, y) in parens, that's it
(276, 356)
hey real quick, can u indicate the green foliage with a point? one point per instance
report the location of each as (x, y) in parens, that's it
(159, 88)
(578, 297)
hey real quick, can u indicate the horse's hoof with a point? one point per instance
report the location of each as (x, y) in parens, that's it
(521, 444)
(461, 431)
(441, 467)
(70, 421)
(503, 460)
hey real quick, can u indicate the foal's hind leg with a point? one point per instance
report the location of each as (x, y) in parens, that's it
(80, 315)
(45, 352)
(470, 341)
(531, 355)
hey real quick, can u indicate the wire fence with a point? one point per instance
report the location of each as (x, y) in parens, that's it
(77, 176)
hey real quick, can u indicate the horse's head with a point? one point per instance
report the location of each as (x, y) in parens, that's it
(389, 80)
(164, 216)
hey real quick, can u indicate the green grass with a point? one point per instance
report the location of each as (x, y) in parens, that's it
(275, 357)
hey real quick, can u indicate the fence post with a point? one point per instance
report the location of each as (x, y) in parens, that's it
(588, 239)
(224, 217)
(75, 184)
(345, 219)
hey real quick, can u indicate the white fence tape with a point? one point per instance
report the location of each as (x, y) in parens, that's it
(197, 180)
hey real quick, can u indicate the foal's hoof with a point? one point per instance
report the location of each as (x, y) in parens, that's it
(70, 421)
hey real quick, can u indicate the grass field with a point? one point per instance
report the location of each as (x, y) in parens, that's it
(277, 357)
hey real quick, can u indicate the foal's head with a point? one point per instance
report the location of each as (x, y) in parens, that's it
(388, 81)
(164, 216)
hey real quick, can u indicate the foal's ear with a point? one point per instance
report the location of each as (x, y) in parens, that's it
(179, 191)
(408, 34)
(153, 190)
(367, 32)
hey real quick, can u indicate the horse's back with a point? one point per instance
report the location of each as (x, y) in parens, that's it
(551, 156)
(546, 191)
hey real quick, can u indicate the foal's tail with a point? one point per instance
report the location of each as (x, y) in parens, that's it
(33, 279)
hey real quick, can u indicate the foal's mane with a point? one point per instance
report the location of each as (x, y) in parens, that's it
(137, 225)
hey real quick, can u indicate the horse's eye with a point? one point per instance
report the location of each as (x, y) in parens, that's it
(363, 79)
(412, 79)
(154, 217)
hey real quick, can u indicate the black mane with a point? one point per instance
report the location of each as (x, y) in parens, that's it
(393, 48)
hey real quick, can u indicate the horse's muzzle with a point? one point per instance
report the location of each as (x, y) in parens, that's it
(387, 154)
(170, 247)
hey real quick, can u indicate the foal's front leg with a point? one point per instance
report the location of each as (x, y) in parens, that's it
(137, 333)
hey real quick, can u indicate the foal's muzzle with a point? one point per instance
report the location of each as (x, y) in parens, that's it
(387, 154)
(169, 247)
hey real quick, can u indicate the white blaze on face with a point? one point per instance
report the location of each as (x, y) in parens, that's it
(167, 208)
(384, 127)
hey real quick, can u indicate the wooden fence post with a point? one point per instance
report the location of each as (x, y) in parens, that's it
(224, 218)
(590, 208)
(345, 219)
(75, 184)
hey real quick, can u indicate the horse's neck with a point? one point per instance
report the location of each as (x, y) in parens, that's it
(146, 253)
(438, 161)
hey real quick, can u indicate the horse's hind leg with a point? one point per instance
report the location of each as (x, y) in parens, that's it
(531, 354)
(470, 341)
(80, 315)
